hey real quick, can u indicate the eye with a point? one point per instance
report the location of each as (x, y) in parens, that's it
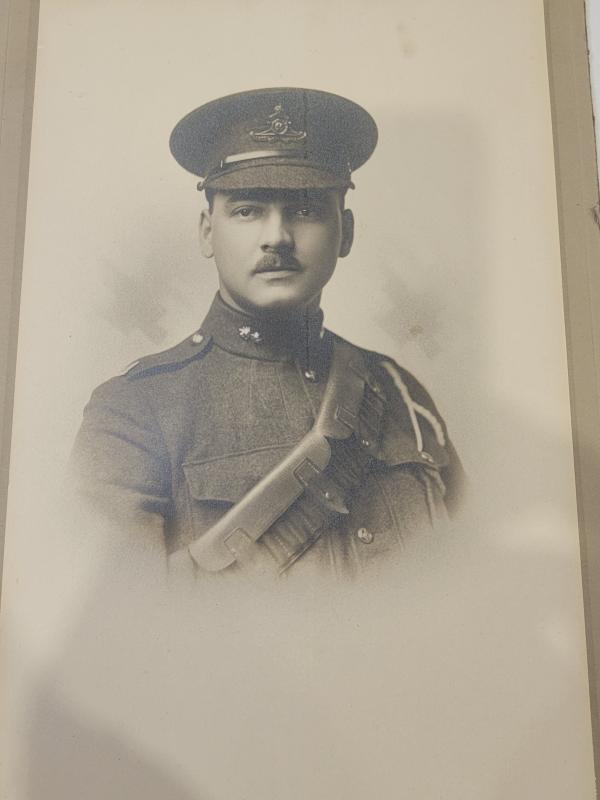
(308, 212)
(245, 212)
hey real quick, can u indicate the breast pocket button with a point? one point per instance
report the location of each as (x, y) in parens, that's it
(365, 535)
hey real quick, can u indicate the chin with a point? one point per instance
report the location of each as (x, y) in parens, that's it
(277, 302)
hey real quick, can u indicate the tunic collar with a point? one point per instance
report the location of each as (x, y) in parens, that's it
(297, 337)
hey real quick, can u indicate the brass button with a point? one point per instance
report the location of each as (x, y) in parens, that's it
(310, 375)
(365, 535)
(197, 338)
(427, 457)
(365, 443)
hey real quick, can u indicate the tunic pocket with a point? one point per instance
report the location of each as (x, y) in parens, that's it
(214, 485)
(399, 447)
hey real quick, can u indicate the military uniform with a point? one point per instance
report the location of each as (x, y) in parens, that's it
(264, 442)
(186, 433)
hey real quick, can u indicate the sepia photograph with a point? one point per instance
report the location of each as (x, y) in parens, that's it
(313, 442)
(292, 507)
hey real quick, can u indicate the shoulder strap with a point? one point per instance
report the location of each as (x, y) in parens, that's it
(191, 348)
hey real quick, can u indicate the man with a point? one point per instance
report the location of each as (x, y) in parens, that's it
(264, 443)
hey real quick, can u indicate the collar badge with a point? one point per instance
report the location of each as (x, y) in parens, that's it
(278, 129)
(248, 335)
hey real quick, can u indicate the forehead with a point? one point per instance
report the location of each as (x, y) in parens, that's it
(280, 195)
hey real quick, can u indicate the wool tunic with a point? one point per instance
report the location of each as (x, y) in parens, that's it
(184, 434)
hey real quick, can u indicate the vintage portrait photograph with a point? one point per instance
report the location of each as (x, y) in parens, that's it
(292, 507)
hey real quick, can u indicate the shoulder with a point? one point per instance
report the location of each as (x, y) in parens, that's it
(125, 389)
(414, 410)
(129, 407)
(191, 349)
(397, 379)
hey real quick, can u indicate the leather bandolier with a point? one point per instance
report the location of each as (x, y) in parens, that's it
(289, 508)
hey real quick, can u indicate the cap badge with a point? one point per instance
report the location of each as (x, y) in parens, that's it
(278, 129)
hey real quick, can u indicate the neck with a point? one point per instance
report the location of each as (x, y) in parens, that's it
(297, 334)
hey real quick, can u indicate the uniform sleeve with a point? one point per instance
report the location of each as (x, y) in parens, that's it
(453, 475)
(119, 463)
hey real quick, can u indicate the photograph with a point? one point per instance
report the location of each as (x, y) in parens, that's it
(292, 505)
(264, 442)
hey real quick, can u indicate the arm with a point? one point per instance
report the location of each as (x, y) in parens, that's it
(120, 465)
(453, 475)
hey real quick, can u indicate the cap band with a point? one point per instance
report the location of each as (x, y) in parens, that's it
(258, 154)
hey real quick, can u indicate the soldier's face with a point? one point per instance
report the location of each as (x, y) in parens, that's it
(275, 250)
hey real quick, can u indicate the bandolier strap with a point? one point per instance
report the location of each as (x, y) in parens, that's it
(291, 506)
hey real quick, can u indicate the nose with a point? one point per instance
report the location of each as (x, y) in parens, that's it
(276, 233)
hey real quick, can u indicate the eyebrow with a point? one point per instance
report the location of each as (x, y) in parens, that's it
(258, 196)
(230, 199)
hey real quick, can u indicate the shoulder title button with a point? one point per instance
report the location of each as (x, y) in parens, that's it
(129, 367)
(427, 457)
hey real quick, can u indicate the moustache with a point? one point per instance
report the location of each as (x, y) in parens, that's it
(273, 262)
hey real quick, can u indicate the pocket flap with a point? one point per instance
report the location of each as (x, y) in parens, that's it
(399, 446)
(228, 478)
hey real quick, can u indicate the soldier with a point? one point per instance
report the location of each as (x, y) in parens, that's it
(264, 443)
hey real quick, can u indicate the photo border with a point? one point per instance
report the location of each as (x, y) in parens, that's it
(579, 226)
(18, 52)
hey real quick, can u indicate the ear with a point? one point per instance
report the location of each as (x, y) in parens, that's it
(347, 232)
(205, 230)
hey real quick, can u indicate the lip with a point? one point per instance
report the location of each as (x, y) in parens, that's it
(273, 275)
(277, 271)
